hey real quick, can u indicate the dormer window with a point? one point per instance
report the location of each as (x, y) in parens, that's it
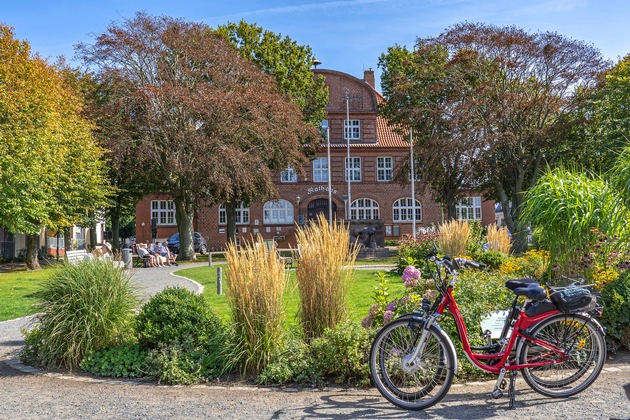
(352, 129)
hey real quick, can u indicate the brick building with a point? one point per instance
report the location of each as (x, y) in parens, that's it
(375, 152)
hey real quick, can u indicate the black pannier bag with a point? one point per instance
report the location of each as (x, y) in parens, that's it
(572, 299)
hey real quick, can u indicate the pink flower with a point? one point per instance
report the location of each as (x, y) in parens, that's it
(387, 316)
(367, 322)
(391, 306)
(411, 275)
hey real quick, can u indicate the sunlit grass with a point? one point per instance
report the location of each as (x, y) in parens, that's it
(360, 294)
(17, 291)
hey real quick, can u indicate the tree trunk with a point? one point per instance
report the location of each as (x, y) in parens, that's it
(92, 238)
(32, 263)
(230, 211)
(67, 239)
(114, 217)
(184, 218)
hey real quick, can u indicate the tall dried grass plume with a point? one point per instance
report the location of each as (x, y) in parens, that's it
(324, 274)
(454, 236)
(499, 239)
(255, 287)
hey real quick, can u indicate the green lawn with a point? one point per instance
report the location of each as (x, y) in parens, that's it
(360, 297)
(16, 292)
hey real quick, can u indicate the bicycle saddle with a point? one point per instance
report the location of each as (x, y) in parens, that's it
(531, 291)
(516, 283)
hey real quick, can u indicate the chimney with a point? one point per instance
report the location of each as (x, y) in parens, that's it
(368, 77)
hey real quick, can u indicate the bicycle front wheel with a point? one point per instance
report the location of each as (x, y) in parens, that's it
(412, 384)
(582, 340)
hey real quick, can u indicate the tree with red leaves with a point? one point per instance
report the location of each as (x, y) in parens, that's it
(210, 124)
(502, 99)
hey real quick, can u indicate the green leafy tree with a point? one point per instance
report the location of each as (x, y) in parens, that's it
(290, 65)
(434, 94)
(609, 130)
(51, 169)
(211, 123)
(519, 95)
(119, 135)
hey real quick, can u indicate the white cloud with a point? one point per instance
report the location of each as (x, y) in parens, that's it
(301, 8)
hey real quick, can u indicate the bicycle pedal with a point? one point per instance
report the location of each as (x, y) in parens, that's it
(497, 393)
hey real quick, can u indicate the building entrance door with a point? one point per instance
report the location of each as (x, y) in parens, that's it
(318, 206)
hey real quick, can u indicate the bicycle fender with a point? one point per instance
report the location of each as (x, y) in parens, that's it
(416, 317)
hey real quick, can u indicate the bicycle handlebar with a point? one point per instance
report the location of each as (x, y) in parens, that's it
(463, 262)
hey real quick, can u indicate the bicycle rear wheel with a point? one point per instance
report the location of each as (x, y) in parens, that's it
(584, 345)
(421, 383)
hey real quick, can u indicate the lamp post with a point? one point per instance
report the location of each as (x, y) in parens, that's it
(347, 133)
(413, 185)
(327, 128)
(143, 225)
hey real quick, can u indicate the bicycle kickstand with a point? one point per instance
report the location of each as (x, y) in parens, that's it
(512, 391)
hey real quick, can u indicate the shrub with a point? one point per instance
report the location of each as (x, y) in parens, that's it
(174, 364)
(127, 361)
(324, 274)
(256, 282)
(616, 316)
(294, 365)
(176, 315)
(342, 354)
(414, 251)
(498, 239)
(454, 237)
(339, 354)
(84, 307)
(531, 264)
(493, 259)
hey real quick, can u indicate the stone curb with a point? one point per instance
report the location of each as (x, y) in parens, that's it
(18, 365)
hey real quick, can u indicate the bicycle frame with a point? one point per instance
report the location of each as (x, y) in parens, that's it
(523, 322)
(519, 330)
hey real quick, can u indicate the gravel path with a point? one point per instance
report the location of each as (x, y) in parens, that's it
(27, 393)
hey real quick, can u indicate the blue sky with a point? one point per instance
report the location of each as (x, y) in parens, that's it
(345, 35)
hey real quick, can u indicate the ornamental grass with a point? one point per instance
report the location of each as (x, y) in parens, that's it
(454, 236)
(84, 307)
(255, 288)
(498, 239)
(324, 274)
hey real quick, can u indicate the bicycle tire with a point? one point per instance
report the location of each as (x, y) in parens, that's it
(584, 345)
(412, 388)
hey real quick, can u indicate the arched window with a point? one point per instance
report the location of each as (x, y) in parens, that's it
(403, 210)
(364, 208)
(279, 212)
(242, 215)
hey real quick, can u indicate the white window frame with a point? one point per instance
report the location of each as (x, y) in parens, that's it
(288, 175)
(242, 215)
(278, 212)
(364, 208)
(354, 171)
(469, 208)
(352, 129)
(164, 212)
(402, 210)
(384, 169)
(320, 169)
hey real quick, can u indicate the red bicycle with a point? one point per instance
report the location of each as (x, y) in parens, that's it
(555, 342)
